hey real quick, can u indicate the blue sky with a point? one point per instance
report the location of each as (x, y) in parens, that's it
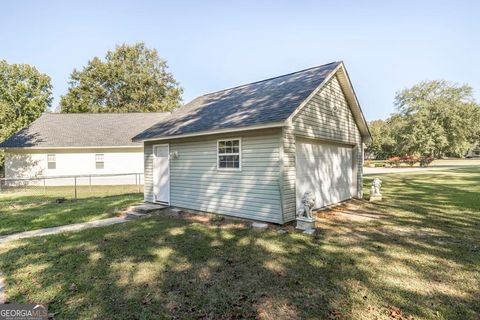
(210, 45)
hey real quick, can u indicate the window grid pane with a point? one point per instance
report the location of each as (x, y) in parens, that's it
(229, 154)
(99, 163)
(51, 161)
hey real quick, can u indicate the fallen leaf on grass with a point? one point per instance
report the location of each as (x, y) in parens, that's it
(73, 288)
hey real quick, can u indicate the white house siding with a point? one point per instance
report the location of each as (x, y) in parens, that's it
(28, 163)
(252, 193)
(326, 116)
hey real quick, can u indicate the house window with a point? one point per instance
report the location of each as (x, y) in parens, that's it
(99, 163)
(51, 161)
(229, 154)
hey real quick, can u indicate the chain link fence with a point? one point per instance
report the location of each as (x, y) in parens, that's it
(70, 187)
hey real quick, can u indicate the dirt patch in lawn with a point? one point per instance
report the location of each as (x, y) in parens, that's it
(221, 221)
(353, 211)
(208, 219)
(350, 211)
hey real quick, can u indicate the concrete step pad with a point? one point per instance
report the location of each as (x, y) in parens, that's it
(259, 226)
(136, 215)
(146, 208)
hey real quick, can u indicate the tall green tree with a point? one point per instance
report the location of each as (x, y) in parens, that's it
(472, 113)
(24, 94)
(383, 143)
(434, 119)
(132, 78)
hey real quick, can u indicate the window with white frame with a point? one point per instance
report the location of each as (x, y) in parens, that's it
(99, 163)
(51, 161)
(229, 154)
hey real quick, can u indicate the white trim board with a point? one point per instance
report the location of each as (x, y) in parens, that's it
(218, 131)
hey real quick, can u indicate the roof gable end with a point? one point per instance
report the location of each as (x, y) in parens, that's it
(350, 96)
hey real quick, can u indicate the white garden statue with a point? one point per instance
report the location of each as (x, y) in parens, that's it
(305, 220)
(375, 190)
(305, 208)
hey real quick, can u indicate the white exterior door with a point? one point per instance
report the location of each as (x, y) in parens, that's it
(324, 169)
(161, 174)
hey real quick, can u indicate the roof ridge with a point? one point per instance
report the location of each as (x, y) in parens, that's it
(268, 79)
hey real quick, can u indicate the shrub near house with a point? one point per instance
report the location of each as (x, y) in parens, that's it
(393, 161)
(409, 160)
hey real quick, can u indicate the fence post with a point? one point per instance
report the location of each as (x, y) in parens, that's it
(44, 187)
(75, 182)
(90, 183)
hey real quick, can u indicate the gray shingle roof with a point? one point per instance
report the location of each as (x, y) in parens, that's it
(83, 130)
(267, 101)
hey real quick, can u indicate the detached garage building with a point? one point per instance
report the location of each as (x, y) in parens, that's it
(252, 151)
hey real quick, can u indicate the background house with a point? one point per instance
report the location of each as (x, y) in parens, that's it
(252, 151)
(474, 152)
(60, 144)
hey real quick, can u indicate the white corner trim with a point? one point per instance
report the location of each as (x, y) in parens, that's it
(352, 96)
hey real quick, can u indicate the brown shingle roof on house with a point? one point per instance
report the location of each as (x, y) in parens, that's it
(267, 101)
(58, 130)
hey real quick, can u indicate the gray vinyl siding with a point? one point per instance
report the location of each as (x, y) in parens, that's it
(195, 182)
(326, 116)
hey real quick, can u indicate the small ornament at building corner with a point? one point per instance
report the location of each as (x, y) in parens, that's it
(305, 220)
(375, 190)
(305, 208)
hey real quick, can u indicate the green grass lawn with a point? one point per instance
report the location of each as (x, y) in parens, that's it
(436, 163)
(416, 255)
(28, 210)
(40, 193)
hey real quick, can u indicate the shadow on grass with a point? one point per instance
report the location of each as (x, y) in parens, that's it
(25, 215)
(169, 268)
(163, 268)
(409, 256)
